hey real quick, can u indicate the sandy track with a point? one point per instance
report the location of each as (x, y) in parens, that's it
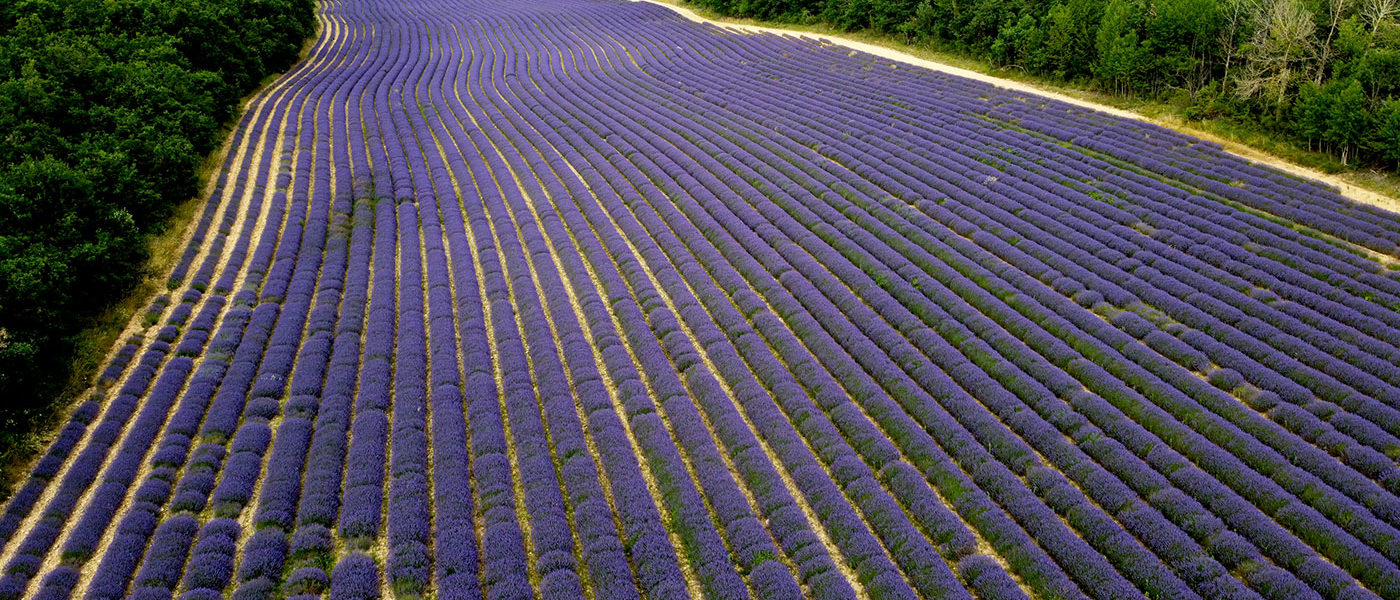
(1254, 155)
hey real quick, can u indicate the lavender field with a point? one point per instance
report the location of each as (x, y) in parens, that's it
(580, 299)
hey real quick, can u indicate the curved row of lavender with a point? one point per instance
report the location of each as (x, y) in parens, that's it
(577, 299)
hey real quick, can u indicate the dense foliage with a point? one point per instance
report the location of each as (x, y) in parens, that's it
(1325, 72)
(106, 108)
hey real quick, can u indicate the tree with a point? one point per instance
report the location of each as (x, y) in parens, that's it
(883, 16)
(1377, 12)
(1310, 113)
(1020, 45)
(1352, 44)
(1183, 34)
(1387, 138)
(985, 21)
(1371, 56)
(1235, 16)
(1120, 55)
(921, 25)
(1070, 30)
(887, 15)
(1336, 10)
(1278, 52)
(1348, 121)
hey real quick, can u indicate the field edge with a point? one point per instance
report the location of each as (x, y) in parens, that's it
(1365, 186)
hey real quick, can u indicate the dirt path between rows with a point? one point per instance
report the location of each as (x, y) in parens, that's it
(1254, 155)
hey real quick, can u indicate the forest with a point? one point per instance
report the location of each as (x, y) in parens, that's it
(1325, 73)
(106, 110)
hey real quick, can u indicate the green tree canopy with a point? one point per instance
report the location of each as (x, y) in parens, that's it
(1120, 54)
(106, 107)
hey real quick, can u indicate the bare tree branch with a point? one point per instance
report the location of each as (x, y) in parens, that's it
(1235, 18)
(1278, 52)
(1335, 10)
(1375, 12)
